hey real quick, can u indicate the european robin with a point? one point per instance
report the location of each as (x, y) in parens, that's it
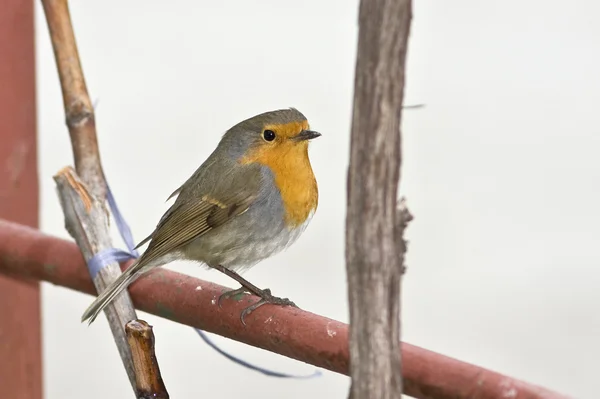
(251, 198)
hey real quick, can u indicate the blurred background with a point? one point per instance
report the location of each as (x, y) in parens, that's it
(501, 171)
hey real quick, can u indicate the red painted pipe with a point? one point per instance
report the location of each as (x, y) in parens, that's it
(25, 252)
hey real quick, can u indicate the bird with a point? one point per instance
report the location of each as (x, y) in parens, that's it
(252, 197)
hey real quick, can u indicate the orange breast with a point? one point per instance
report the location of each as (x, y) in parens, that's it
(294, 177)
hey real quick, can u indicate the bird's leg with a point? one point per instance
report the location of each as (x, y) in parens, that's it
(265, 295)
(247, 286)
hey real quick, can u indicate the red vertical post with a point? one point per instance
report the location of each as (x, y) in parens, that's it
(20, 332)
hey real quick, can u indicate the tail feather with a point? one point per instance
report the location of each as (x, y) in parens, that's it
(110, 293)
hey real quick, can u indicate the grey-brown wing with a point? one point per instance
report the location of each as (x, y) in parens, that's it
(173, 194)
(190, 220)
(200, 209)
(145, 240)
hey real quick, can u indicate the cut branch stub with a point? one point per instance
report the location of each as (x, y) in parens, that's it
(149, 383)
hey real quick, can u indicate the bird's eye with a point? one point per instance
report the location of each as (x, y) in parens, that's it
(269, 135)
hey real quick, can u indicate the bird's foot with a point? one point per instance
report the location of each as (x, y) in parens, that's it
(265, 297)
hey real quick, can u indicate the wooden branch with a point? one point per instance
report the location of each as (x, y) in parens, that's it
(374, 226)
(149, 383)
(86, 220)
(78, 106)
(83, 193)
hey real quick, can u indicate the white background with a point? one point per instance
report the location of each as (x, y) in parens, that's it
(500, 170)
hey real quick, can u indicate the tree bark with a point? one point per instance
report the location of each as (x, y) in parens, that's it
(374, 225)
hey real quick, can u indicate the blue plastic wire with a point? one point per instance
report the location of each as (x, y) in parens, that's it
(239, 361)
(108, 256)
(121, 223)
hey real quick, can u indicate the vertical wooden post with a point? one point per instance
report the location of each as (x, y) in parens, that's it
(375, 223)
(20, 333)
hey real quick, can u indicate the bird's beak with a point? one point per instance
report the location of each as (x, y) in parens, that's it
(307, 135)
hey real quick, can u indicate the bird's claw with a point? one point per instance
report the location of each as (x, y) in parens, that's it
(229, 294)
(265, 297)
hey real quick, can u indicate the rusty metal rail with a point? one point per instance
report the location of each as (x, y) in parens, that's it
(28, 253)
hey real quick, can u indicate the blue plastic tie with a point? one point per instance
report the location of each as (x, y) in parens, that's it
(108, 256)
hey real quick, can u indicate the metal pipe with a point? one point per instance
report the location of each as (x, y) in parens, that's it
(323, 342)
